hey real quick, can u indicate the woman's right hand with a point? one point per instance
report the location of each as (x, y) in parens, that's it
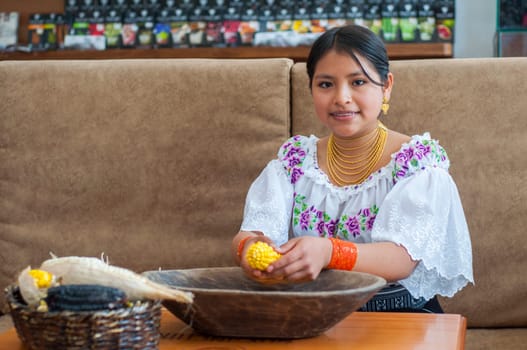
(255, 274)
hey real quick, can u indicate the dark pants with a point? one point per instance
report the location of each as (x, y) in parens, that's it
(432, 306)
(395, 298)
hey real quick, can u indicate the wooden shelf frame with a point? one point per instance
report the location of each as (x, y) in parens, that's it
(299, 54)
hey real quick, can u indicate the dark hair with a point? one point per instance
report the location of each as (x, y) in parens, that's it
(353, 40)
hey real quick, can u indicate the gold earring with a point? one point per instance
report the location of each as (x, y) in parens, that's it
(385, 106)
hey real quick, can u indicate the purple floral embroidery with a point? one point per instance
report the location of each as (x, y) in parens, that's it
(421, 150)
(308, 218)
(369, 223)
(305, 219)
(292, 157)
(353, 226)
(417, 156)
(320, 227)
(331, 227)
(296, 173)
(357, 224)
(295, 152)
(293, 162)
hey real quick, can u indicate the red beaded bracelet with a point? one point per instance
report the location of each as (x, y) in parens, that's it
(343, 255)
(241, 245)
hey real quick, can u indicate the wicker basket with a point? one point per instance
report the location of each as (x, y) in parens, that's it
(136, 327)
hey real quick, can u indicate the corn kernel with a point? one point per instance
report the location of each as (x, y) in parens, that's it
(43, 279)
(260, 255)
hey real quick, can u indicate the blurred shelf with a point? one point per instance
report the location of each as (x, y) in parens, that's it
(299, 54)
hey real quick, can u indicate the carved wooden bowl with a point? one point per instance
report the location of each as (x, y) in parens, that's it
(227, 303)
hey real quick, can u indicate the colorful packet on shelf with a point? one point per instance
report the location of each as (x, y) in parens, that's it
(337, 16)
(8, 30)
(426, 20)
(390, 21)
(214, 27)
(197, 25)
(408, 21)
(71, 7)
(179, 28)
(81, 24)
(445, 21)
(145, 29)
(129, 33)
(319, 19)
(36, 40)
(162, 29)
(372, 16)
(249, 25)
(231, 25)
(355, 13)
(113, 27)
(96, 23)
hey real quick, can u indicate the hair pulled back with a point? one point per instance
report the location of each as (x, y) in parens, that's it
(353, 40)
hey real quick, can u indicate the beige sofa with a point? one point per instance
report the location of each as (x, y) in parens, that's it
(148, 162)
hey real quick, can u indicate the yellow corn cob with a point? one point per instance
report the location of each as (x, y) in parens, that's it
(260, 255)
(43, 279)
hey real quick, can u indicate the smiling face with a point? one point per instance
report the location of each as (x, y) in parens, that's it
(345, 99)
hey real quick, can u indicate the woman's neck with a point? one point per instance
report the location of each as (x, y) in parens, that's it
(356, 143)
(352, 160)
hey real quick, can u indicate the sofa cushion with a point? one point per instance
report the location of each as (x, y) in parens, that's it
(146, 161)
(498, 338)
(475, 109)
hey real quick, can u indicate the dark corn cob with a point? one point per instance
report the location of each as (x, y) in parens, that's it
(84, 297)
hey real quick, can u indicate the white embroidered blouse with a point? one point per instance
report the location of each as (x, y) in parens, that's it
(412, 201)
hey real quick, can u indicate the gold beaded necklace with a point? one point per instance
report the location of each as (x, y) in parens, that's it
(358, 165)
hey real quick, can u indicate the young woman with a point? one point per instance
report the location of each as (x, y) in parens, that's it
(365, 198)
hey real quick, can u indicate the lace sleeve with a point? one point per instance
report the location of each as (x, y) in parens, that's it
(424, 214)
(269, 203)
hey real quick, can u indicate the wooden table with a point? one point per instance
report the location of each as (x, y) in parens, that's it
(361, 330)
